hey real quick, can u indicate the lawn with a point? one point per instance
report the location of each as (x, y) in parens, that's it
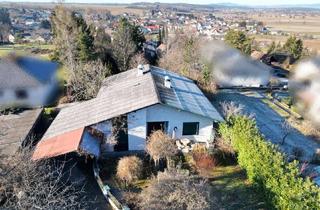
(276, 108)
(232, 189)
(25, 49)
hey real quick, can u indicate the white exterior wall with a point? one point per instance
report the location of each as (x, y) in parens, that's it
(106, 128)
(176, 118)
(137, 124)
(36, 96)
(137, 129)
(90, 144)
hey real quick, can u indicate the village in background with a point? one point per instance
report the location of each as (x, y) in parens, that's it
(159, 106)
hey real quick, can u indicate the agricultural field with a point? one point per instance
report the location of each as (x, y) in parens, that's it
(307, 24)
(34, 49)
(312, 44)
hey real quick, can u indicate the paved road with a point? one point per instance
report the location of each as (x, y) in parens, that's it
(269, 122)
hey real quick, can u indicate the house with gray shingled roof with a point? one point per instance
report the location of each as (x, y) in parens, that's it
(145, 99)
(26, 81)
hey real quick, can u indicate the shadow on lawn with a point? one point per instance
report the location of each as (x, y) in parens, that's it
(233, 191)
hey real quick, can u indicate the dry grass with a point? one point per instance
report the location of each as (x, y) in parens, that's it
(305, 127)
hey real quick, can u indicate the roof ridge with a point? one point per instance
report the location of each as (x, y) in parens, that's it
(154, 85)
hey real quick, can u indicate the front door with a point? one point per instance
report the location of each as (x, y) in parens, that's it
(122, 125)
(154, 126)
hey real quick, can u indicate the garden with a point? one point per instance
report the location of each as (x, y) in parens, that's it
(165, 178)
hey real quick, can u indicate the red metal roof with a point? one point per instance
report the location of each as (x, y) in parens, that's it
(58, 145)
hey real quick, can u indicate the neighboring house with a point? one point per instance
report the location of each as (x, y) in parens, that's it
(233, 69)
(147, 98)
(26, 81)
(17, 130)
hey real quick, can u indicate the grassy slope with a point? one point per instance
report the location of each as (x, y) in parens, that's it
(232, 189)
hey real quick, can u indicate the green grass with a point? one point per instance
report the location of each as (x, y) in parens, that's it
(277, 109)
(232, 189)
(21, 49)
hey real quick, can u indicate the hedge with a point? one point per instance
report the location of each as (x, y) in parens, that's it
(266, 167)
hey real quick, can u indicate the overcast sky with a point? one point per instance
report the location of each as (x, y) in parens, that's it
(244, 2)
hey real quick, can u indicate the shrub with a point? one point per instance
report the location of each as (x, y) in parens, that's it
(175, 190)
(266, 166)
(129, 169)
(161, 146)
(204, 162)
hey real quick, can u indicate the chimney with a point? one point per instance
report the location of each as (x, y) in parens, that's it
(167, 82)
(140, 70)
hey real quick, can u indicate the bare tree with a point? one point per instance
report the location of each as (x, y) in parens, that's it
(123, 46)
(161, 146)
(27, 184)
(230, 109)
(175, 190)
(138, 59)
(85, 80)
(286, 129)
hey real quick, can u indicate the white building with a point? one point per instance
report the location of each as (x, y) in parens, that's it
(147, 99)
(26, 81)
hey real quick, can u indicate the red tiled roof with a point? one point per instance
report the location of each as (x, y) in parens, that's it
(58, 145)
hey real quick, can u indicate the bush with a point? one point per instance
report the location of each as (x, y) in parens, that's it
(267, 167)
(161, 146)
(204, 162)
(129, 169)
(175, 190)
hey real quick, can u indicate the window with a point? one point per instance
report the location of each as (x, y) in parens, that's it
(154, 126)
(190, 128)
(21, 94)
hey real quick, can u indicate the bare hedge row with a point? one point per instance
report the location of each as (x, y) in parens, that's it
(280, 181)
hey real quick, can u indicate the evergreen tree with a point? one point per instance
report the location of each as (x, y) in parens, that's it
(160, 38)
(72, 36)
(272, 48)
(163, 34)
(294, 46)
(239, 40)
(85, 41)
(5, 24)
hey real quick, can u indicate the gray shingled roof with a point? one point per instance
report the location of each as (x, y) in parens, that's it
(12, 76)
(21, 72)
(127, 92)
(15, 128)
